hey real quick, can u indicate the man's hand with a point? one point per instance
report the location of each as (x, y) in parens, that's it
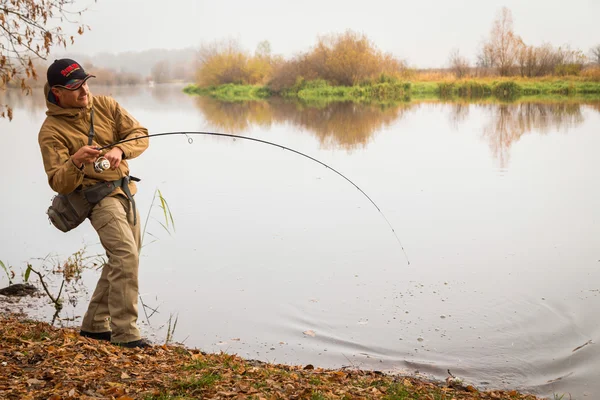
(114, 156)
(85, 155)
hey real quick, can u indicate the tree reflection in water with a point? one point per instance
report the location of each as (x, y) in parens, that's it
(346, 125)
(508, 122)
(337, 125)
(350, 125)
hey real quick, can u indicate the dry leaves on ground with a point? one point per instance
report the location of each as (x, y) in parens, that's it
(38, 361)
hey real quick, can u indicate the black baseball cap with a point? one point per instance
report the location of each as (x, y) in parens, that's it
(67, 73)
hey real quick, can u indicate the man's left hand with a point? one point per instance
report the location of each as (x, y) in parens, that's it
(114, 156)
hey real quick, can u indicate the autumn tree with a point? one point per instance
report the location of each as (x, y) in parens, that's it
(351, 58)
(28, 30)
(221, 63)
(458, 64)
(260, 67)
(503, 45)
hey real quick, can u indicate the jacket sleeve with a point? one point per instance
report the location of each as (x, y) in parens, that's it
(128, 128)
(63, 176)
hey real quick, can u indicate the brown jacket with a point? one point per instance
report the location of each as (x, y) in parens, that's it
(65, 131)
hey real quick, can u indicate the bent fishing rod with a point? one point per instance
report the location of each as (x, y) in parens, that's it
(190, 140)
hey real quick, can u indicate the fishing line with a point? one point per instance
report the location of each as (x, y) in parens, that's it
(190, 140)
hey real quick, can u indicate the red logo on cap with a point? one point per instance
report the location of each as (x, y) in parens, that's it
(70, 69)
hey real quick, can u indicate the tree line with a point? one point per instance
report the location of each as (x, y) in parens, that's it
(350, 59)
(504, 53)
(345, 59)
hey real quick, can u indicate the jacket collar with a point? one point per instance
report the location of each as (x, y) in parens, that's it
(54, 110)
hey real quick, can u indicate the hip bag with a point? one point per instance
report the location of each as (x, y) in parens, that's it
(68, 211)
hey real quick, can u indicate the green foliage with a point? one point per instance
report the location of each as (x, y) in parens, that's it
(377, 92)
(506, 89)
(9, 272)
(389, 90)
(446, 89)
(231, 92)
(473, 89)
(166, 211)
(27, 273)
(171, 329)
(317, 396)
(397, 392)
(197, 383)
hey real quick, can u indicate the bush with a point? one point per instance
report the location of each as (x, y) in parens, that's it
(591, 74)
(445, 88)
(506, 89)
(473, 89)
(568, 69)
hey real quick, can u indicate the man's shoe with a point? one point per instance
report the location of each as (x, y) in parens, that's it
(96, 335)
(136, 344)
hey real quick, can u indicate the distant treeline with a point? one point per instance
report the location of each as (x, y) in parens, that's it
(163, 71)
(352, 60)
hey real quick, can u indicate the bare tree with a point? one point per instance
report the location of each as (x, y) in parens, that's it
(161, 72)
(504, 44)
(485, 57)
(458, 64)
(263, 50)
(28, 30)
(595, 54)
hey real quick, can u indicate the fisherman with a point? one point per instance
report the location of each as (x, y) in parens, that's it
(74, 118)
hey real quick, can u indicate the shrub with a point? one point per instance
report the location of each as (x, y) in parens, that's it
(506, 89)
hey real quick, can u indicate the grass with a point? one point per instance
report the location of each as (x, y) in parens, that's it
(318, 396)
(230, 92)
(9, 272)
(194, 384)
(397, 392)
(393, 92)
(198, 365)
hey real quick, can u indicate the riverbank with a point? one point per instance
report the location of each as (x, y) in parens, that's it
(40, 361)
(395, 91)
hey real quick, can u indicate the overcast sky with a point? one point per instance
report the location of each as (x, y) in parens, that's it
(423, 32)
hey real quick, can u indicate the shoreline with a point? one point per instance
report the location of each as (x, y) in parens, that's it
(41, 361)
(501, 89)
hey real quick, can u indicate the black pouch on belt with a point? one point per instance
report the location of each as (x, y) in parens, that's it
(69, 211)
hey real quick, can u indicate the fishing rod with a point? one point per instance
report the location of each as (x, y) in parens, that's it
(101, 165)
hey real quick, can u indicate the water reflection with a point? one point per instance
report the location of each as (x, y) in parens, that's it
(508, 122)
(336, 125)
(350, 125)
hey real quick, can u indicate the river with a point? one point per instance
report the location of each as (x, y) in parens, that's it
(275, 257)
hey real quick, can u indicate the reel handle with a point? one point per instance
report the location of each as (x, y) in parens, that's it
(101, 164)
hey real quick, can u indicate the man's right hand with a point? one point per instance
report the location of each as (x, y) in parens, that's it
(85, 155)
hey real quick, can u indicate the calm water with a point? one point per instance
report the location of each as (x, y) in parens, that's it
(495, 204)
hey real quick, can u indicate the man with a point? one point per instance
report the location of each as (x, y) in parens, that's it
(73, 116)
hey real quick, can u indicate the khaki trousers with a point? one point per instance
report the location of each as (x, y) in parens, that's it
(114, 304)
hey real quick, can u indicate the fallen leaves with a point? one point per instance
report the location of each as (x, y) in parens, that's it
(39, 361)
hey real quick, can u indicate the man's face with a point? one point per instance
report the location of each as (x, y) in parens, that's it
(78, 98)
